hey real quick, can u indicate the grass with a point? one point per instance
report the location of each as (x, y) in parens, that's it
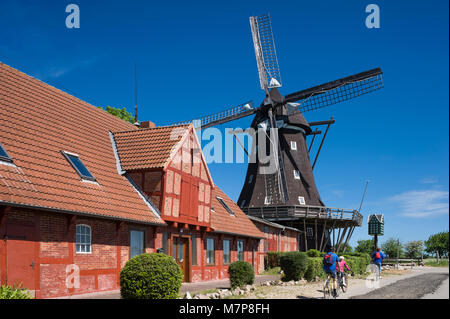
(272, 271)
(433, 263)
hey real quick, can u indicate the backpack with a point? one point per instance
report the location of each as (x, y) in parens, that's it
(328, 260)
(377, 255)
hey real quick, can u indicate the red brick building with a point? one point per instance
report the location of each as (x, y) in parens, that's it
(81, 192)
(277, 237)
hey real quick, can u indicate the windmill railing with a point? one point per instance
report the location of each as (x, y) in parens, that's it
(306, 212)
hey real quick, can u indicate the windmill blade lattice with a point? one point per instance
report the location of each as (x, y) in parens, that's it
(337, 91)
(266, 55)
(231, 114)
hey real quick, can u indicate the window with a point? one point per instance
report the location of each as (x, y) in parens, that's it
(78, 165)
(301, 200)
(165, 243)
(210, 252)
(243, 203)
(296, 174)
(267, 200)
(228, 209)
(266, 229)
(250, 179)
(194, 250)
(293, 145)
(83, 239)
(226, 251)
(240, 249)
(266, 245)
(3, 155)
(136, 243)
(309, 232)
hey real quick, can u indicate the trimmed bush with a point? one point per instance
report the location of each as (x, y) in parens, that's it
(150, 276)
(314, 269)
(8, 292)
(294, 265)
(313, 253)
(241, 273)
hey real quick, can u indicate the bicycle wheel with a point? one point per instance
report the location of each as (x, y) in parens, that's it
(326, 289)
(343, 281)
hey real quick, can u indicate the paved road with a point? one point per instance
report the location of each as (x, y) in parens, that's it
(410, 288)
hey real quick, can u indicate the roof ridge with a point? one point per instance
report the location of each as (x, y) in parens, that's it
(153, 128)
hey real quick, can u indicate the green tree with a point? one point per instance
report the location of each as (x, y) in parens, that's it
(414, 249)
(349, 249)
(364, 246)
(391, 247)
(121, 113)
(438, 243)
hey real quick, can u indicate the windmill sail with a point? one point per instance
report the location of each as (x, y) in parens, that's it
(337, 91)
(266, 55)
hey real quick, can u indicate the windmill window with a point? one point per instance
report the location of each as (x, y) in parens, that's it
(243, 203)
(250, 179)
(227, 208)
(4, 155)
(79, 167)
(267, 200)
(293, 145)
(296, 174)
(309, 232)
(83, 239)
(301, 200)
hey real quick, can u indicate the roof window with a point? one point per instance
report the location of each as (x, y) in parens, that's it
(79, 167)
(4, 155)
(228, 209)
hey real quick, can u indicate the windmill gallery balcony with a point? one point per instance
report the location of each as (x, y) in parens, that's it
(318, 223)
(339, 217)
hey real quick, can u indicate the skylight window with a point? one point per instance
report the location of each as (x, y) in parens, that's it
(3, 155)
(228, 209)
(79, 167)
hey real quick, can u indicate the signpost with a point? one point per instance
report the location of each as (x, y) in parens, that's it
(376, 227)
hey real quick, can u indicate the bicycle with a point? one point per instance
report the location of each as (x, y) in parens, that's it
(342, 279)
(327, 291)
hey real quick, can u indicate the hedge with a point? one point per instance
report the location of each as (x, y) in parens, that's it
(241, 273)
(357, 263)
(313, 253)
(272, 259)
(150, 276)
(8, 292)
(294, 265)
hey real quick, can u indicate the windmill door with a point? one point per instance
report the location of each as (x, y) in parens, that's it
(181, 255)
(20, 256)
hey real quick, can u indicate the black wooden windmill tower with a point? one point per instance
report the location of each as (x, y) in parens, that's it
(279, 184)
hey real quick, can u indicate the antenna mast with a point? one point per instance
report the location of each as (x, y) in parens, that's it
(135, 96)
(364, 194)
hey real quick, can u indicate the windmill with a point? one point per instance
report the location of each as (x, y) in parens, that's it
(284, 189)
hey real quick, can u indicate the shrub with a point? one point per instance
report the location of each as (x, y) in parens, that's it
(14, 292)
(272, 259)
(313, 253)
(314, 268)
(241, 273)
(294, 265)
(150, 276)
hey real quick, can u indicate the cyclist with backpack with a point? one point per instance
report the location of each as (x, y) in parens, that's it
(377, 259)
(330, 261)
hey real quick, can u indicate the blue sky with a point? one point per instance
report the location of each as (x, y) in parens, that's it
(197, 57)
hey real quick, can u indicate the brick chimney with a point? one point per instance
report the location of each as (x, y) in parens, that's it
(147, 124)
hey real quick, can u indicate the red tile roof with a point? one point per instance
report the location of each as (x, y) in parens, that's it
(148, 148)
(224, 222)
(37, 122)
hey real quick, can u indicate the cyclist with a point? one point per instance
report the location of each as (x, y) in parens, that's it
(377, 258)
(330, 263)
(342, 265)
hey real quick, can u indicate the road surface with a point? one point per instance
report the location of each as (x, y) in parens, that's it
(426, 283)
